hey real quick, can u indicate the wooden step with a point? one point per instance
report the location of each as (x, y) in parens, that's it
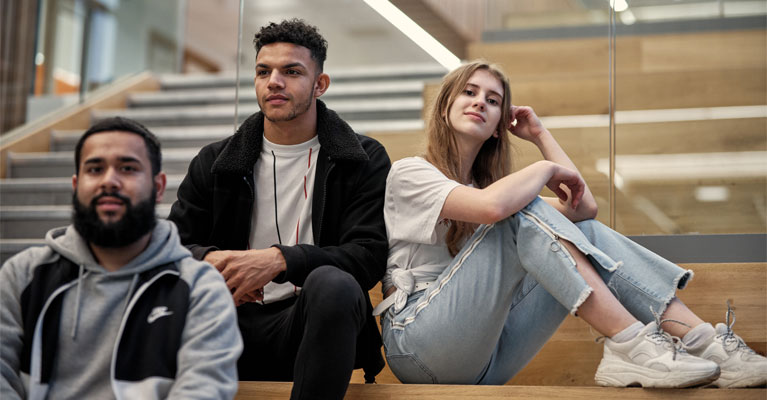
(407, 107)
(281, 390)
(571, 357)
(634, 53)
(570, 76)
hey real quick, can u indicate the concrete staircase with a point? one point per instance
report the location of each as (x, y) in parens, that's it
(187, 113)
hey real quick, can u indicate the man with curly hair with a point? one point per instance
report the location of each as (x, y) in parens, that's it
(290, 210)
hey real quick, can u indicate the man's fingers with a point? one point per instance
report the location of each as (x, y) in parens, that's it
(219, 266)
(242, 296)
(226, 273)
(253, 297)
(238, 295)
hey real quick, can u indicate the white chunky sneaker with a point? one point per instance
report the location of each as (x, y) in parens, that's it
(741, 367)
(652, 359)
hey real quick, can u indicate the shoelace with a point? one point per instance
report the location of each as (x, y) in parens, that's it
(677, 346)
(730, 340)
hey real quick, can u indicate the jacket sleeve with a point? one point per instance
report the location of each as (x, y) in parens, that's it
(362, 247)
(13, 278)
(192, 211)
(211, 342)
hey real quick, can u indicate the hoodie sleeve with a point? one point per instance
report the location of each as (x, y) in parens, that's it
(211, 342)
(15, 275)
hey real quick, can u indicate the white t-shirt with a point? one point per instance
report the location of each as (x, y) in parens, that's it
(415, 194)
(291, 169)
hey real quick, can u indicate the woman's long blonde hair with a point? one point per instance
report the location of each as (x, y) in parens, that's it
(493, 161)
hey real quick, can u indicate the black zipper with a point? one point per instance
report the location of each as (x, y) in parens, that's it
(250, 216)
(324, 199)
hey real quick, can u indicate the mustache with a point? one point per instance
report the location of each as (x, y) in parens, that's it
(116, 195)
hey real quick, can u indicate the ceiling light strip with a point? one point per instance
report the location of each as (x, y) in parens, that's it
(415, 33)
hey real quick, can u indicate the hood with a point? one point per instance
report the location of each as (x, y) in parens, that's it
(164, 247)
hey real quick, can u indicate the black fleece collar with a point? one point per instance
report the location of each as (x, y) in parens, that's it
(337, 140)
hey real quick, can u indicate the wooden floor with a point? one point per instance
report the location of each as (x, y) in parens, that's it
(281, 390)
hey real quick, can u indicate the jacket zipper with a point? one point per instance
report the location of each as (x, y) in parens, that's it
(128, 310)
(37, 338)
(252, 200)
(324, 198)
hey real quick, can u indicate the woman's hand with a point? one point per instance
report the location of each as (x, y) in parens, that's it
(569, 178)
(528, 126)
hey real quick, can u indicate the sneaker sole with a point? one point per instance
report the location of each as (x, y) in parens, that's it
(740, 383)
(622, 374)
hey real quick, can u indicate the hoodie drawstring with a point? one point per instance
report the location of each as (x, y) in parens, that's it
(77, 301)
(78, 297)
(130, 292)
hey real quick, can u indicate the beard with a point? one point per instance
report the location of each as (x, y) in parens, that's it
(137, 221)
(299, 108)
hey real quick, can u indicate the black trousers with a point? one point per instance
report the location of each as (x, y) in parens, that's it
(310, 340)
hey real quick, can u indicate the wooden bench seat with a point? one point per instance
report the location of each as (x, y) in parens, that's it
(281, 390)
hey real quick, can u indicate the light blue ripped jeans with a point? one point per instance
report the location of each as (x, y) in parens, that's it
(506, 293)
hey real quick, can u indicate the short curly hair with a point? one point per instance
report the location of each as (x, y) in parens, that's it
(295, 31)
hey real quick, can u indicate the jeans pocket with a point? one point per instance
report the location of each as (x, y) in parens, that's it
(408, 369)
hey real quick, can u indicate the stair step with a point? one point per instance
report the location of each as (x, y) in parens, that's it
(9, 247)
(57, 191)
(349, 110)
(198, 136)
(340, 91)
(378, 73)
(281, 390)
(61, 164)
(21, 222)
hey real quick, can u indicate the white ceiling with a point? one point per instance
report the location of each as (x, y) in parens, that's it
(356, 35)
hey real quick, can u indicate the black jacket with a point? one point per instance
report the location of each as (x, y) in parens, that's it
(215, 205)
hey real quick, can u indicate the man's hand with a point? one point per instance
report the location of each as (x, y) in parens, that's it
(247, 271)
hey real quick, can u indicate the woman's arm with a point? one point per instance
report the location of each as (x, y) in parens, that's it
(512, 193)
(530, 128)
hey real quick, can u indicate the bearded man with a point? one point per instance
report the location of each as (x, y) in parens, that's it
(113, 306)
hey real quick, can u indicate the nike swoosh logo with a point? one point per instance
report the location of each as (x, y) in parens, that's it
(157, 313)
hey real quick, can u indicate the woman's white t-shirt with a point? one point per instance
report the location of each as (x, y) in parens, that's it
(415, 194)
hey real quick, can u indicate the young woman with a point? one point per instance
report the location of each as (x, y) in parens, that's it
(482, 271)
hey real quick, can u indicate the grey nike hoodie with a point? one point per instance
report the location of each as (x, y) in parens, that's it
(162, 326)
